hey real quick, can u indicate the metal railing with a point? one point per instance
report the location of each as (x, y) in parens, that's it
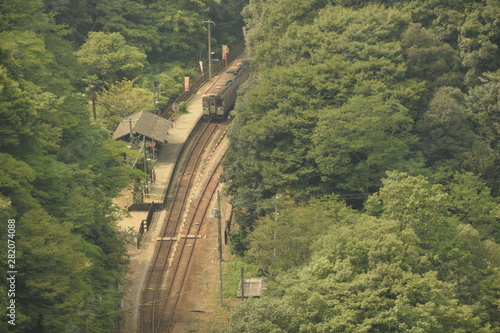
(145, 224)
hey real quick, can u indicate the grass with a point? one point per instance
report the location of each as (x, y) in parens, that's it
(232, 274)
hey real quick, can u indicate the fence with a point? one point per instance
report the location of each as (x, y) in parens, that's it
(145, 224)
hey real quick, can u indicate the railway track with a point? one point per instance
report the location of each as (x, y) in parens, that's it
(176, 243)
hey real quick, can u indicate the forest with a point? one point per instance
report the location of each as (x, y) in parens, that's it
(69, 72)
(364, 166)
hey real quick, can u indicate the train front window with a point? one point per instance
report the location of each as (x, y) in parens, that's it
(206, 102)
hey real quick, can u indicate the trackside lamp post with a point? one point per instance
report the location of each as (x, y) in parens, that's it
(209, 50)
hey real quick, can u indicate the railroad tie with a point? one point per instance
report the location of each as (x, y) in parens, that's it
(188, 236)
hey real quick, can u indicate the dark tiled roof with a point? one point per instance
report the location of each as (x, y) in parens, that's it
(144, 123)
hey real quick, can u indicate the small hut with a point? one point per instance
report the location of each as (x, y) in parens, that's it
(141, 126)
(252, 287)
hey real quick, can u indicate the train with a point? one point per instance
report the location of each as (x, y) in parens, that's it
(220, 97)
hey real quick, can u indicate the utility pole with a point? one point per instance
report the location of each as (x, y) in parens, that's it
(275, 223)
(220, 244)
(145, 164)
(242, 284)
(156, 97)
(131, 132)
(209, 50)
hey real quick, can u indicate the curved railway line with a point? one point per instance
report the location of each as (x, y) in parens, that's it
(185, 216)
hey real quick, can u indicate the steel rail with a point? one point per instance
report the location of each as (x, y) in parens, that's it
(186, 253)
(152, 294)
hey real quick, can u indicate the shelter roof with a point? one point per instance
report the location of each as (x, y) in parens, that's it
(144, 123)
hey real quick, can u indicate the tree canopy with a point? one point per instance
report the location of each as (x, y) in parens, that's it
(375, 125)
(59, 168)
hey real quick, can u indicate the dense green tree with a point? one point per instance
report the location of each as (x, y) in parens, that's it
(483, 106)
(334, 55)
(53, 274)
(180, 29)
(165, 30)
(107, 56)
(285, 228)
(445, 129)
(356, 143)
(17, 116)
(365, 275)
(412, 268)
(456, 251)
(430, 59)
(15, 183)
(41, 57)
(263, 316)
(424, 209)
(483, 103)
(16, 14)
(120, 100)
(479, 40)
(343, 92)
(271, 147)
(129, 18)
(471, 201)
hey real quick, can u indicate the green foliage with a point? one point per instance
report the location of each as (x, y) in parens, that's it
(120, 100)
(53, 273)
(483, 106)
(15, 13)
(356, 143)
(345, 92)
(183, 107)
(128, 18)
(263, 316)
(478, 40)
(429, 59)
(378, 91)
(446, 133)
(232, 275)
(170, 79)
(16, 113)
(15, 183)
(276, 233)
(58, 170)
(424, 208)
(411, 268)
(180, 28)
(108, 57)
(472, 203)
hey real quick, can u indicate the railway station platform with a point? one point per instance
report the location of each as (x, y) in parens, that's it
(170, 151)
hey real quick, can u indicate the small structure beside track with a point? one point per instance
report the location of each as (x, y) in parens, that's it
(141, 125)
(252, 287)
